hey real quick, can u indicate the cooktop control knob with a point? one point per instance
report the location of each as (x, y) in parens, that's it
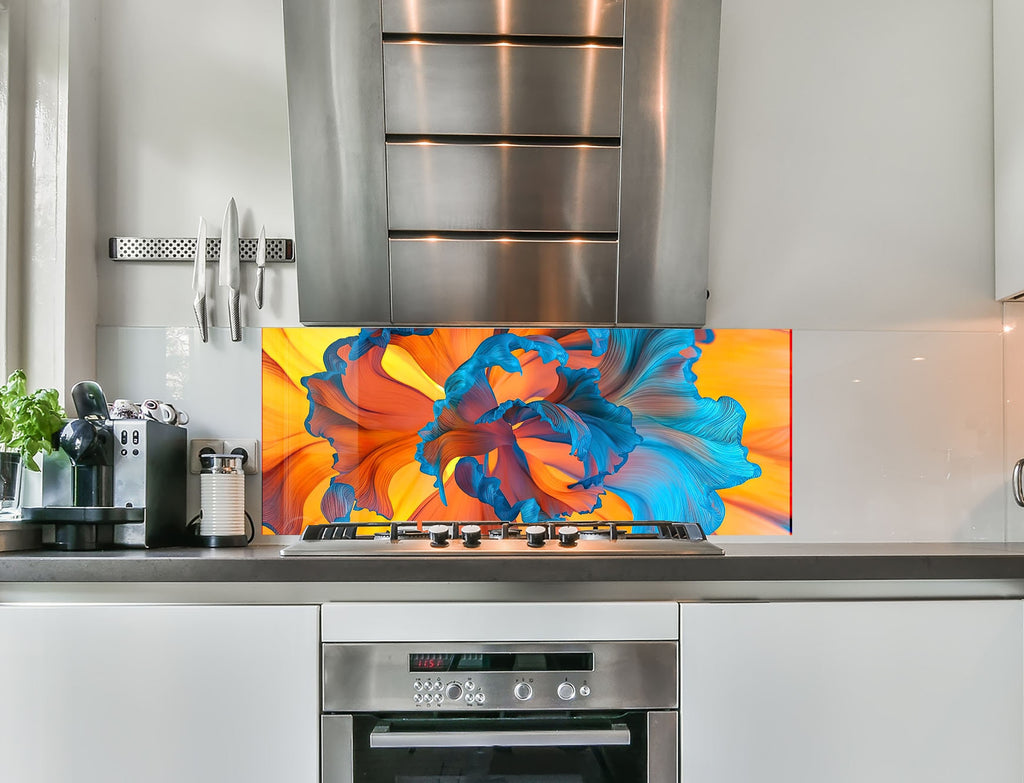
(471, 535)
(566, 691)
(438, 535)
(522, 691)
(568, 535)
(535, 535)
(453, 692)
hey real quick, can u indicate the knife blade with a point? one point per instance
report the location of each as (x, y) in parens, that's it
(261, 262)
(229, 276)
(199, 282)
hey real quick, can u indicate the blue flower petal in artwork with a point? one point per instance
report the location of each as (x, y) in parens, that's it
(469, 422)
(595, 341)
(676, 474)
(600, 341)
(600, 435)
(471, 478)
(368, 338)
(338, 501)
(691, 444)
(496, 351)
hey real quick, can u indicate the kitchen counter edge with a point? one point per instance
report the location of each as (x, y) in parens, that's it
(746, 562)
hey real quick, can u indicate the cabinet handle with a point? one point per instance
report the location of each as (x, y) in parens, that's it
(1018, 488)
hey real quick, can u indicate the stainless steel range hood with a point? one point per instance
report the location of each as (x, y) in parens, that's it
(502, 161)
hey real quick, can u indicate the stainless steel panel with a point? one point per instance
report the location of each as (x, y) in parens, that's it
(662, 747)
(502, 89)
(494, 281)
(336, 121)
(597, 18)
(376, 677)
(336, 747)
(502, 187)
(671, 69)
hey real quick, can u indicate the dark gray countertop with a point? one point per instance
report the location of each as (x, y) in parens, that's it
(747, 562)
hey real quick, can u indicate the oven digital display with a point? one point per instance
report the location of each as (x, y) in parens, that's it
(502, 662)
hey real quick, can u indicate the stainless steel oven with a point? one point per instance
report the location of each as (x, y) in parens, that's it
(523, 712)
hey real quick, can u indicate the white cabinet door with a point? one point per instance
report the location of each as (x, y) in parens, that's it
(1008, 119)
(879, 692)
(159, 694)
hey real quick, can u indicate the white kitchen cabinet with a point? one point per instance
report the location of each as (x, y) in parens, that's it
(852, 692)
(1008, 138)
(159, 694)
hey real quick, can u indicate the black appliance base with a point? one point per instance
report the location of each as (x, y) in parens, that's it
(220, 541)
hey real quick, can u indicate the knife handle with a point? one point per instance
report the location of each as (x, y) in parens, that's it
(234, 317)
(258, 294)
(199, 305)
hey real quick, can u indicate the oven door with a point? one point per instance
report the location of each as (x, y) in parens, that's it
(631, 747)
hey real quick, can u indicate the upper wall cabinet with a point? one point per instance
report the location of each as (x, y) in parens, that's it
(522, 161)
(1008, 108)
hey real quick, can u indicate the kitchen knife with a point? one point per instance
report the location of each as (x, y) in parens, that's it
(261, 262)
(199, 281)
(229, 274)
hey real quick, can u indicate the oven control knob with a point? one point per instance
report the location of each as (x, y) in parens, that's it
(584, 690)
(566, 691)
(568, 535)
(522, 691)
(471, 535)
(438, 535)
(453, 692)
(535, 535)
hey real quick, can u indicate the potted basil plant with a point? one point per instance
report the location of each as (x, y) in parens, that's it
(28, 423)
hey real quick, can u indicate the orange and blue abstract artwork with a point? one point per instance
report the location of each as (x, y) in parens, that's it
(492, 425)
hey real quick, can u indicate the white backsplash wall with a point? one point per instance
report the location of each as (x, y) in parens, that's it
(852, 203)
(194, 112)
(217, 383)
(1013, 390)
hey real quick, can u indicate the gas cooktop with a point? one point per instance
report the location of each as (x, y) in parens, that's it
(469, 539)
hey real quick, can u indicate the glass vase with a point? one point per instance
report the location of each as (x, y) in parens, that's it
(11, 469)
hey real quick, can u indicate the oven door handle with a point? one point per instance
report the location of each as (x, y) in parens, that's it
(383, 737)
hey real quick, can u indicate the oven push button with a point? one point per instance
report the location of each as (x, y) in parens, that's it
(522, 691)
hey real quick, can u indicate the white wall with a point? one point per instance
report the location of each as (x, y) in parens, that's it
(193, 112)
(852, 203)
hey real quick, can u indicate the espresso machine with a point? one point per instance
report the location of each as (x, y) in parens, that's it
(113, 482)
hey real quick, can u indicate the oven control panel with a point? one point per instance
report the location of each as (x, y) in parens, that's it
(484, 677)
(535, 692)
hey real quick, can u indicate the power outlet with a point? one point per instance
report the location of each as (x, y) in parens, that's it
(249, 449)
(199, 446)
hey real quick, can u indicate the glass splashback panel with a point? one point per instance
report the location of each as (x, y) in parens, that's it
(491, 425)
